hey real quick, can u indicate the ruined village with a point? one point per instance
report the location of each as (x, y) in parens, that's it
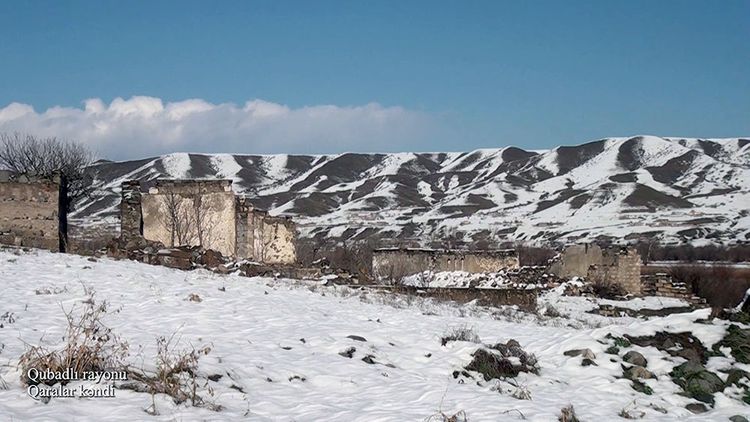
(375, 211)
(187, 224)
(202, 227)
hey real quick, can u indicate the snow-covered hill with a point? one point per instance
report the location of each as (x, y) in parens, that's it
(626, 188)
(283, 350)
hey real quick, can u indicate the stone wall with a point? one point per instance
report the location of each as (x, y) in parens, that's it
(396, 263)
(612, 266)
(575, 260)
(206, 213)
(32, 212)
(662, 284)
(263, 238)
(131, 218)
(525, 299)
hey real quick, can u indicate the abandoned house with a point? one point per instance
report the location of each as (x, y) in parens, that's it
(390, 263)
(613, 266)
(32, 212)
(205, 213)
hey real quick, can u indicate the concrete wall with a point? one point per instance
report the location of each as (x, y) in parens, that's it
(396, 263)
(204, 211)
(32, 213)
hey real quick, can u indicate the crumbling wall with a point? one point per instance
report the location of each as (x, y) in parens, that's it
(32, 212)
(612, 266)
(396, 263)
(203, 209)
(131, 219)
(263, 238)
(575, 260)
(279, 241)
(662, 284)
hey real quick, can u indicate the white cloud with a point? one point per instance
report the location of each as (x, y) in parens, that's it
(145, 126)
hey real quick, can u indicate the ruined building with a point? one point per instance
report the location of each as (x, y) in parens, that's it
(392, 263)
(205, 213)
(612, 266)
(32, 212)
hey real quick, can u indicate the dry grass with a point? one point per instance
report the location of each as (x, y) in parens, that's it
(567, 414)
(460, 334)
(90, 346)
(176, 375)
(459, 416)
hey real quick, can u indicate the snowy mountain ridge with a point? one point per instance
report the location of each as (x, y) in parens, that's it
(675, 189)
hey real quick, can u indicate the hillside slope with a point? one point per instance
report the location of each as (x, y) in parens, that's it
(626, 188)
(285, 350)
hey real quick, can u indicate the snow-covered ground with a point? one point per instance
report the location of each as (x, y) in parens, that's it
(276, 345)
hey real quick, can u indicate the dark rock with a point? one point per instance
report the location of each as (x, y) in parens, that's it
(369, 359)
(211, 258)
(494, 362)
(348, 353)
(674, 343)
(215, 377)
(586, 353)
(738, 340)
(697, 408)
(588, 362)
(734, 376)
(641, 387)
(635, 358)
(696, 381)
(612, 350)
(357, 338)
(637, 372)
(738, 418)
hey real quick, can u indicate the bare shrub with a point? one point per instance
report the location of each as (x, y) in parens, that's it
(460, 334)
(45, 157)
(567, 414)
(551, 311)
(651, 251)
(535, 256)
(721, 286)
(459, 416)
(521, 393)
(90, 346)
(176, 374)
(608, 290)
(631, 412)
(354, 257)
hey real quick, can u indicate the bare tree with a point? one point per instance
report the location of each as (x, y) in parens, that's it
(204, 220)
(45, 157)
(176, 219)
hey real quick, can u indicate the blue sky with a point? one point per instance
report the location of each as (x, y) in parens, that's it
(446, 75)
